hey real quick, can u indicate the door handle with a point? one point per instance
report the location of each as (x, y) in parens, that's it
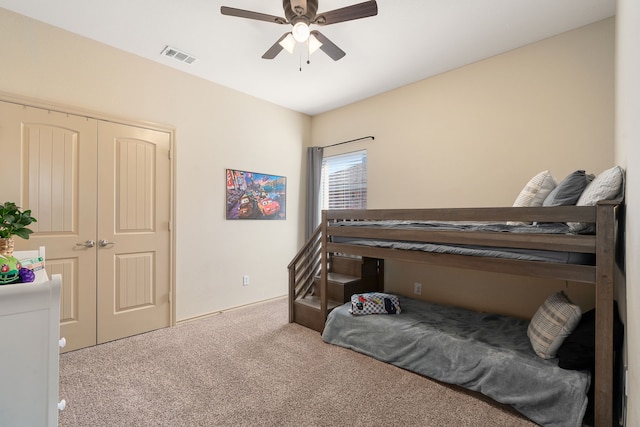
(104, 243)
(87, 244)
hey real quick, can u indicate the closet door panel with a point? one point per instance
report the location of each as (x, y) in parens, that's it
(53, 165)
(67, 268)
(50, 165)
(133, 226)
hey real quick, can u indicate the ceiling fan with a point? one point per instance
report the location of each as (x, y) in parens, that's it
(302, 13)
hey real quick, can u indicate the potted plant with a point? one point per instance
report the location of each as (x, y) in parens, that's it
(13, 222)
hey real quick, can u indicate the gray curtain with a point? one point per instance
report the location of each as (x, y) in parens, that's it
(314, 176)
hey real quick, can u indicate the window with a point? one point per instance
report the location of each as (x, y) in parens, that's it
(344, 181)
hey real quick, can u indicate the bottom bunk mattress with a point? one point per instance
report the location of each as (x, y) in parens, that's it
(488, 353)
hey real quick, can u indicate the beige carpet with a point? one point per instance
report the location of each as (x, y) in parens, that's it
(249, 367)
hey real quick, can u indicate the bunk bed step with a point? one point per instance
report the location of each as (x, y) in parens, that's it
(307, 312)
(342, 279)
(350, 266)
(354, 266)
(313, 301)
(340, 287)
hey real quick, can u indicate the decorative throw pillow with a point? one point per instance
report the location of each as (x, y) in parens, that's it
(606, 186)
(536, 190)
(569, 190)
(556, 318)
(534, 193)
(374, 303)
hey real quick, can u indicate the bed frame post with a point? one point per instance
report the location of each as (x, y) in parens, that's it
(605, 274)
(324, 269)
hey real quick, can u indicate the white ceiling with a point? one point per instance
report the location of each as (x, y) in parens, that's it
(409, 40)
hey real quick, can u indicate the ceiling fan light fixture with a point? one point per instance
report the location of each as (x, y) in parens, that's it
(301, 32)
(313, 44)
(288, 43)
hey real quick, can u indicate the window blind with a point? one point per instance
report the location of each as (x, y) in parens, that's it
(344, 181)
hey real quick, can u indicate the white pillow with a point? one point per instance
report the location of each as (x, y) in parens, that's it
(534, 193)
(536, 190)
(554, 321)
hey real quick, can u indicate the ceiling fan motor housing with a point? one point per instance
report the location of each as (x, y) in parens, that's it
(292, 16)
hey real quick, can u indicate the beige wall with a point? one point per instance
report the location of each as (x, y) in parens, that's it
(628, 155)
(216, 128)
(474, 136)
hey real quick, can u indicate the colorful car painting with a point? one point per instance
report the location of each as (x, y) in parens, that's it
(252, 195)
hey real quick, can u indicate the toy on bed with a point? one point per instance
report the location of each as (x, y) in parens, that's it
(374, 303)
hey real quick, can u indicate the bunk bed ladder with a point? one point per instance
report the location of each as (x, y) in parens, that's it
(303, 269)
(342, 277)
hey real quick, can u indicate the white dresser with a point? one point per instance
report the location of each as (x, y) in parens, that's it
(29, 353)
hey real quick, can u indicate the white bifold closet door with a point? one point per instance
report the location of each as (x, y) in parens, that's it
(101, 193)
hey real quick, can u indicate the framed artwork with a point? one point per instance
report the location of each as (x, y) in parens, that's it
(252, 195)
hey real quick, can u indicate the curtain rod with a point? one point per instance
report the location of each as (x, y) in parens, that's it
(351, 140)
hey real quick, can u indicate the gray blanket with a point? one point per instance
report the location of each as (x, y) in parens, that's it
(484, 352)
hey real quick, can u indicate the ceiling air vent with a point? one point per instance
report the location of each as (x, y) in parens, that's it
(178, 55)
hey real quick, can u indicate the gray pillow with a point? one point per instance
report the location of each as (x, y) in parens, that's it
(569, 190)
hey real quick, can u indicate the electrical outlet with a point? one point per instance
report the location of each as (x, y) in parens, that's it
(626, 379)
(245, 280)
(417, 288)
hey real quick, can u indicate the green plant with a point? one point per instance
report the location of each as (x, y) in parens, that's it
(14, 222)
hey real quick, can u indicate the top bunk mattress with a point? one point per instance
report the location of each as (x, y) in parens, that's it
(540, 255)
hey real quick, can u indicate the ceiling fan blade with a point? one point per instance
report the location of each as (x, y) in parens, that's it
(241, 13)
(349, 13)
(328, 46)
(275, 49)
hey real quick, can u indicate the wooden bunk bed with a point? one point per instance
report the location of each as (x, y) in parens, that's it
(336, 238)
